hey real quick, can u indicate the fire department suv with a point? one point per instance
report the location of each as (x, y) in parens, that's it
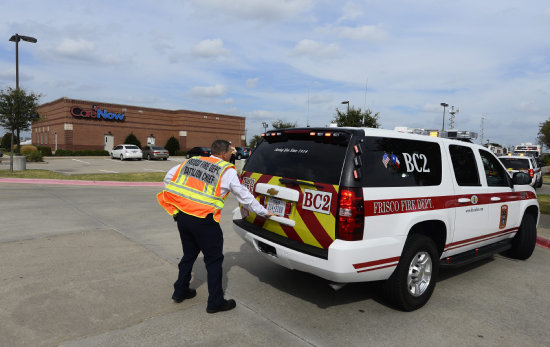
(361, 204)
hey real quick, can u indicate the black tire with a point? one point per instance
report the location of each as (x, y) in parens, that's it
(523, 244)
(187, 155)
(164, 158)
(398, 288)
(540, 183)
(148, 156)
(121, 157)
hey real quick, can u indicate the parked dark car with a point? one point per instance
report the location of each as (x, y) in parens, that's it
(198, 151)
(243, 152)
(155, 152)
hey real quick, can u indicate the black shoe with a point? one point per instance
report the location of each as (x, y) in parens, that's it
(190, 294)
(226, 306)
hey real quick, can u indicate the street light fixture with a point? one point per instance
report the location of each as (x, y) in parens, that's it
(444, 105)
(264, 124)
(346, 102)
(16, 38)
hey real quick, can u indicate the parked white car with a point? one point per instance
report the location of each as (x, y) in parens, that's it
(125, 151)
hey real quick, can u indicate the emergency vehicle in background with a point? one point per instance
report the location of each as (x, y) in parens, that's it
(363, 204)
(528, 149)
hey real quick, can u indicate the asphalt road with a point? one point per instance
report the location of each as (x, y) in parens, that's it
(94, 266)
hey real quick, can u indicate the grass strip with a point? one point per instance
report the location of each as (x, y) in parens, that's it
(122, 177)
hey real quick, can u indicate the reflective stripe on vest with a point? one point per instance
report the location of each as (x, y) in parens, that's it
(195, 188)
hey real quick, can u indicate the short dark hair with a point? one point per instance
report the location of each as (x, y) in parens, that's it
(220, 146)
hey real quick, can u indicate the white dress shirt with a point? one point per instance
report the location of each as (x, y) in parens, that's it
(230, 183)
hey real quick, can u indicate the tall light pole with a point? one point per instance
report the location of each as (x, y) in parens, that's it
(264, 124)
(346, 102)
(444, 105)
(16, 38)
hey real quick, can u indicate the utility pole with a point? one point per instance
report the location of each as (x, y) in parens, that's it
(452, 117)
(482, 129)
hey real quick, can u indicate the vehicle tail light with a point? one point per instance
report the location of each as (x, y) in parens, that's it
(350, 219)
(531, 173)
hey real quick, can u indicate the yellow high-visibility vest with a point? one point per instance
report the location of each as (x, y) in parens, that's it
(195, 188)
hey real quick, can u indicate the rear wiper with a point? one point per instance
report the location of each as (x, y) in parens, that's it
(298, 182)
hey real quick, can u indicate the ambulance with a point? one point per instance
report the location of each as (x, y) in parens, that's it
(363, 204)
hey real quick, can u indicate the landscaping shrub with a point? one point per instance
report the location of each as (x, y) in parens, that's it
(26, 149)
(172, 145)
(180, 153)
(46, 151)
(63, 153)
(33, 156)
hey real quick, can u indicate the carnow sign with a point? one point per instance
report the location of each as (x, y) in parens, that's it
(96, 113)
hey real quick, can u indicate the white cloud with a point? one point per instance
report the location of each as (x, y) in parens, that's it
(350, 12)
(252, 82)
(210, 48)
(72, 48)
(315, 49)
(266, 10)
(364, 32)
(209, 92)
(229, 101)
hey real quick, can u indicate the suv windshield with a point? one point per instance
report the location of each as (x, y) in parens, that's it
(515, 164)
(303, 159)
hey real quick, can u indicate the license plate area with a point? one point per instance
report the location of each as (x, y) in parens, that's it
(276, 206)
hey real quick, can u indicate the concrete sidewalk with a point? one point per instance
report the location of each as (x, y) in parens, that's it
(543, 231)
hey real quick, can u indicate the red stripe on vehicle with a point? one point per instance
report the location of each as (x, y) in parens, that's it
(291, 233)
(428, 203)
(316, 229)
(376, 262)
(478, 239)
(377, 268)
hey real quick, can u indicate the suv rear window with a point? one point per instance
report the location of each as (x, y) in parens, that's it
(392, 162)
(303, 159)
(515, 163)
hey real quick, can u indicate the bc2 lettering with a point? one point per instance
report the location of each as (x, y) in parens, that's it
(416, 162)
(317, 201)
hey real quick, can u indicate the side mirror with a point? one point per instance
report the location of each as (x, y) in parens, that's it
(521, 178)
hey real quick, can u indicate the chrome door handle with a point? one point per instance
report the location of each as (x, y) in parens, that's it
(463, 200)
(495, 198)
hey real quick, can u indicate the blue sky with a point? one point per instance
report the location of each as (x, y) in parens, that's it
(294, 60)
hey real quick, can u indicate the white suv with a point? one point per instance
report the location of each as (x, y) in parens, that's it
(126, 152)
(527, 164)
(361, 204)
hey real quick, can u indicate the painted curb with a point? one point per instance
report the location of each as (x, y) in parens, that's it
(541, 241)
(81, 183)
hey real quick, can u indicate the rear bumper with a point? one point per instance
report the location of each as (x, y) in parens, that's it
(343, 262)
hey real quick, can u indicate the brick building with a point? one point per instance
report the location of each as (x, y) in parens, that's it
(79, 125)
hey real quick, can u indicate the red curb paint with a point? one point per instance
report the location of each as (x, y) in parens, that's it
(81, 183)
(541, 241)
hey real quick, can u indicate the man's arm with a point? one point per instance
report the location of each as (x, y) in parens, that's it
(243, 195)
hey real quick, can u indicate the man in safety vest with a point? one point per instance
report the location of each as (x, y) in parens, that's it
(195, 194)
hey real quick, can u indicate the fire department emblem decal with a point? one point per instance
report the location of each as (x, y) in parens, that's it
(474, 199)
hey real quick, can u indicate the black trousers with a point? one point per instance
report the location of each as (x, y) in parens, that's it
(201, 234)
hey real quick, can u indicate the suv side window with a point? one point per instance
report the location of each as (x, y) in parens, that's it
(393, 162)
(464, 165)
(495, 173)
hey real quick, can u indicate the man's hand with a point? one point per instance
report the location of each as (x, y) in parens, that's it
(269, 214)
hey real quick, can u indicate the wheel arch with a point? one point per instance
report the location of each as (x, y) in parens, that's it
(433, 229)
(532, 210)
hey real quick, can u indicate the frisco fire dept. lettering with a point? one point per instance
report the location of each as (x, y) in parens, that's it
(406, 205)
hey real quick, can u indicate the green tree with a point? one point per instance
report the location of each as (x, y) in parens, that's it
(172, 145)
(356, 118)
(255, 141)
(6, 141)
(17, 111)
(132, 140)
(544, 133)
(280, 124)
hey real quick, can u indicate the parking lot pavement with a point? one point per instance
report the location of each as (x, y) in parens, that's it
(94, 266)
